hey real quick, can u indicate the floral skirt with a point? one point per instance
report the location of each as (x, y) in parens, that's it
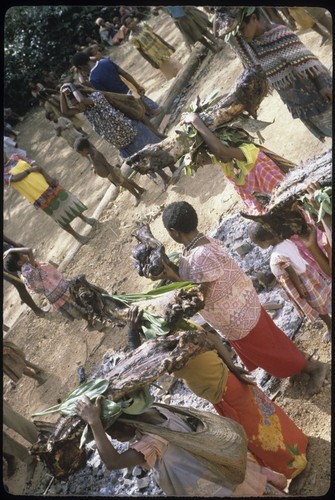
(273, 438)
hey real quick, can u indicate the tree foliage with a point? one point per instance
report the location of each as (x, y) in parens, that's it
(43, 37)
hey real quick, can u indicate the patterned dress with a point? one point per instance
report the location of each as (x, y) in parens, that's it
(294, 71)
(273, 438)
(318, 288)
(61, 205)
(45, 279)
(125, 134)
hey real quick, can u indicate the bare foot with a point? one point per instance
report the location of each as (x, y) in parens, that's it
(298, 482)
(90, 220)
(317, 376)
(327, 336)
(82, 239)
(138, 199)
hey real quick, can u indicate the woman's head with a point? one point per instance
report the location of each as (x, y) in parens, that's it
(100, 22)
(250, 25)
(261, 236)
(14, 261)
(179, 217)
(81, 60)
(121, 431)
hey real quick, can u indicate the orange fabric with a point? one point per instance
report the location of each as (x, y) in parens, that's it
(268, 347)
(273, 437)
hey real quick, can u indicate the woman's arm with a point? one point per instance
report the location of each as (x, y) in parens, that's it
(296, 281)
(311, 243)
(131, 80)
(11, 242)
(110, 456)
(224, 354)
(23, 250)
(220, 151)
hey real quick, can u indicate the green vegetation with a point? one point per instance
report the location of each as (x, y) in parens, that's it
(38, 38)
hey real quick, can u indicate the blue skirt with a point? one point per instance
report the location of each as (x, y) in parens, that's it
(143, 137)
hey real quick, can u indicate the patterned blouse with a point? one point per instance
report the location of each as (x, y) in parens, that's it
(232, 306)
(109, 122)
(47, 280)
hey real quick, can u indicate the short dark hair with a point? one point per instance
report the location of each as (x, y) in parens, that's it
(80, 59)
(180, 216)
(257, 233)
(10, 263)
(81, 143)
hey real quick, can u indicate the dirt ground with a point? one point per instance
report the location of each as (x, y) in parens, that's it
(60, 347)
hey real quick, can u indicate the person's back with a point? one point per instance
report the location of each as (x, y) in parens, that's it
(104, 76)
(232, 306)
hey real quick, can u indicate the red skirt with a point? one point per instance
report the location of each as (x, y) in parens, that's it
(267, 346)
(273, 438)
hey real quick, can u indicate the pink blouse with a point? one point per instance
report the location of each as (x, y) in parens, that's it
(232, 306)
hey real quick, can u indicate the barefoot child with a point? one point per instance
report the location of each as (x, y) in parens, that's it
(102, 168)
(64, 128)
(309, 291)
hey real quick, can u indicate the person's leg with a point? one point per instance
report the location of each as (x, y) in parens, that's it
(328, 321)
(130, 183)
(79, 237)
(26, 297)
(36, 376)
(208, 45)
(89, 220)
(317, 372)
(19, 424)
(165, 178)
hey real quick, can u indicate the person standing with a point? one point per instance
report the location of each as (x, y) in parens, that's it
(152, 47)
(303, 83)
(11, 448)
(14, 279)
(44, 192)
(232, 306)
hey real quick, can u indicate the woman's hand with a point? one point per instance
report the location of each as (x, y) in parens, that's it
(134, 317)
(89, 412)
(169, 273)
(191, 118)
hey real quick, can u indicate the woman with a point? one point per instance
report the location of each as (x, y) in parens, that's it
(125, 134)
(303, 83)
(193, 24)
(152, 47)
(271, 434)
(253, 170)
(232, 306)
(177, 471)
(44, 278)
(45, 193)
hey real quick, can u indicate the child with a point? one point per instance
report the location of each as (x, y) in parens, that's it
(44, 278)
(102, 168)
(64, 128)
(309, 291)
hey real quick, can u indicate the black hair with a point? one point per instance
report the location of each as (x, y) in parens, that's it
(257, 233)
(48, 114)
(124, 17)
(81, 143)
(181, 216)
(246, 19)
(10, 263)
(80, 59)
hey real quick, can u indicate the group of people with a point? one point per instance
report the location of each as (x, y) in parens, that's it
(302, 265)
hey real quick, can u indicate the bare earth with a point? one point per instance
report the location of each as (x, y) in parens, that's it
(60, 347)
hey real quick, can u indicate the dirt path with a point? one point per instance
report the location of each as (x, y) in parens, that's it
(59, 347)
